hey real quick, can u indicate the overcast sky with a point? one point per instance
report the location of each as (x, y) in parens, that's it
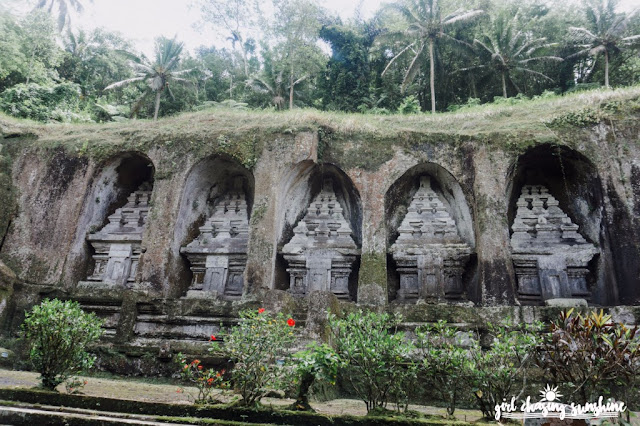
(143, 20)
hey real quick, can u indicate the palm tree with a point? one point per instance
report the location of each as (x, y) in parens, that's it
(425, 26)
(271, 84)
(507, 48)
(605, 33)
(158, 74)
(64, 8)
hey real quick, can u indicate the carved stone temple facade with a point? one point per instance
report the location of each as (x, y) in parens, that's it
(321, 252)
(429, 253)
(218, 256)
(117, 244)
(549, 254)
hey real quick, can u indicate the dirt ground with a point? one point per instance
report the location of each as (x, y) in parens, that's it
(140, 390)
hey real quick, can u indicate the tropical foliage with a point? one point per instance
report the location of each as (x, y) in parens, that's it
(411, 56)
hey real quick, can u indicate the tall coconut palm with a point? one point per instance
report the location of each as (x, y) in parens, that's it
(425, 26)
(158, 74)
(63, 8)
(605, 32)
(508, 48)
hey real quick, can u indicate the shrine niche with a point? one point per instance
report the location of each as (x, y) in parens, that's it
(429, 252)
(212, 231)
(117, 246)
(118, 208)
(430, 240)
(321, 253)
(319, 228)
(218, 256)
(550, 257)
(564, 217)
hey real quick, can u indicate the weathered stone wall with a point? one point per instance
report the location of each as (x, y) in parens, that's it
(63, 192)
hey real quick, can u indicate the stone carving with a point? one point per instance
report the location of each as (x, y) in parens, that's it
(549, 254)
(429, 253)
(117, 244)
(218, 256)
(321, 252)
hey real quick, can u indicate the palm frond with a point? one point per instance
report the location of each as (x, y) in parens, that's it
(123, 83)
(396, 57)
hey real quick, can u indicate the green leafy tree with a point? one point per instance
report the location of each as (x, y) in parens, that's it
(60, 334)
(507, 48)
(296, 25)
(259, 347)
(345, 83)
(39, 47)
(500, 372)
(236, 18)
(425, 25)
(158, 74)
(446, 364)
(94, 60)
(375, 356)
(604, 33)
(12, 58)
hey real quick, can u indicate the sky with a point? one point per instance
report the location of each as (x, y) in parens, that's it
(141, 21)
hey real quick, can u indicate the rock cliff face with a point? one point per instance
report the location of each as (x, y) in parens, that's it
(429, 225)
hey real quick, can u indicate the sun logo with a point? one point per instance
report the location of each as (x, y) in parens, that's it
(550, 394)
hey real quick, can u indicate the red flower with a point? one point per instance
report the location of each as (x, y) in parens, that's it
(261, 310)
(199, 367)
(212, 337)
(291, 322)
(210, 380)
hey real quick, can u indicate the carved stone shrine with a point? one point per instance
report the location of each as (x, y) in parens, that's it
(117, 244)
(321, 252)
(429, 253)
(549, 255)
(218, 255)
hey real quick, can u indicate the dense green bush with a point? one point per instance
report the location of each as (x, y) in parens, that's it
(59, 334)
(319, 362)
(446, 364)
(375, 357)
(259, 347)
(590, 356)
(59, 102)
(500, 372)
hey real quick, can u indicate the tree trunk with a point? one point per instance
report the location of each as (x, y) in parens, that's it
(291, 91)
(432, 80)
(606, 68)
(302, 400)
(33, 54)
(155, 114)
(504, 85)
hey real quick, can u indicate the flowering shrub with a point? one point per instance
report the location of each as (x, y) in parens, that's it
(59, 333)
(446, 364)
(74, 385)
(259, 349)
(375, 356)
(205, 380)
